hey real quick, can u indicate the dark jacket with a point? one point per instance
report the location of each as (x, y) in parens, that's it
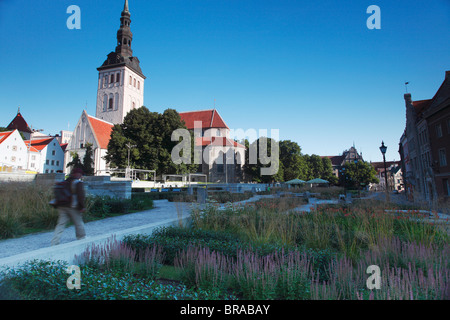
(78, 190)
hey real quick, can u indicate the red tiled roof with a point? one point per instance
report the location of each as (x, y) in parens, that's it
(38, 144)
(19, 123)
(335, 160)
(209, 119)
(421, 105)
(217, 141)
(102, 131)
(4, 135)
(64, 146)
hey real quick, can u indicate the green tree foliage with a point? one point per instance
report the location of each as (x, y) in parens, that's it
(292, 162)
(150, 135)
(88, 160)
(253, 170)
(76, 162)
(358, 175)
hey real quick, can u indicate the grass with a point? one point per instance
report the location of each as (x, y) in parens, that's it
(24, 208)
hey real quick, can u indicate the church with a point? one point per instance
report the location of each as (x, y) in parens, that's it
(121, 89)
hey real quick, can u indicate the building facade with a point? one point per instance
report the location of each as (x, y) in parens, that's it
(424, 146)
(45, 155)
(13, 151)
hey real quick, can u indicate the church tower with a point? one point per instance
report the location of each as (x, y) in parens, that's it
(120, 78)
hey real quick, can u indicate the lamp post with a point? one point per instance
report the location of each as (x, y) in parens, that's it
(129, 146)
(357, 176)
(383, 149)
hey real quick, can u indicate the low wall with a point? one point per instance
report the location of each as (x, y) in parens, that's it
(103, 186)
(15, 176)
(94, 185)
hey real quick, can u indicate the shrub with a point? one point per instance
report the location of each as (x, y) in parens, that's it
(46, 280)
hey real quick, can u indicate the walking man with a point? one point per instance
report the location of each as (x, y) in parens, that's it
(73, 211)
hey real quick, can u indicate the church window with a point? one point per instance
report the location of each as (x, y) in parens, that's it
(112, 78)
(133, 105)
(130, 82)
(117, 77)
(111, 102)
(139, 85)
(105, 102)
(134, 83)
(116, 105)
(105, 81)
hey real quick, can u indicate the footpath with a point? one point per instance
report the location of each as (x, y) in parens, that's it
(37, 246)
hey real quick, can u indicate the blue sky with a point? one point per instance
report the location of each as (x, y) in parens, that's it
(311, 69)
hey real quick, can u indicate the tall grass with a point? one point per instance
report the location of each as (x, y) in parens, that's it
(24, 206)
(120, 257)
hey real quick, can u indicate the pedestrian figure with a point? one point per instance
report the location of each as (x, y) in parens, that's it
(73, 211)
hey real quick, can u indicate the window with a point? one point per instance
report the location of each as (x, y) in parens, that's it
(32, 165)
(118, 77)
(133, 105)
(130, 82)
(47, 162)
(112, 78)
(13, 159)
(33, 157)
(14, 148)
(442, 158)
(134, 82)
(53, 162)
(139, 85)
(218, 132)
(439, 131)
(57, 162)
(53, 152)
(446, 187)
(111, 103)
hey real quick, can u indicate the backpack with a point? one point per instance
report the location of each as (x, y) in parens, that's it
(63, 194)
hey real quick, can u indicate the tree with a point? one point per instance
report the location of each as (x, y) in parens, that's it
(76, 162)
(291, 160)
(265, 160)
(88, 161)
(327, 173)
(359, 174)
(150, 133)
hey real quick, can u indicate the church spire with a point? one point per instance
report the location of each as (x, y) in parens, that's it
(124, 35)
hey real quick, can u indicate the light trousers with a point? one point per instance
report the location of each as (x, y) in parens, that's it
(65, 215)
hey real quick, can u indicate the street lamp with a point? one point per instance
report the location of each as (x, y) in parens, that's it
(383, 149)
(357, 176)
(129, 146)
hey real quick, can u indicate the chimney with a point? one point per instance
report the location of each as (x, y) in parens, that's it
(447, 74)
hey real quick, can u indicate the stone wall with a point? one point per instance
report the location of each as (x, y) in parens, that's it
(94, 185)
(103, 186)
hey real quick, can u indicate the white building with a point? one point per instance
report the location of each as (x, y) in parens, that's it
(90, 130)
(13, 151)
(45, 155)
(64, 136)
